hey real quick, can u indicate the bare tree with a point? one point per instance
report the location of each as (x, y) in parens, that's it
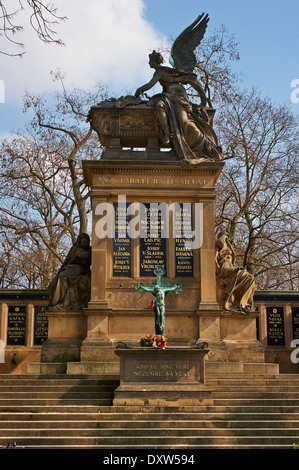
(66, 123)
(257, 199)
(215, 57)
(43, 198)
(43, 18)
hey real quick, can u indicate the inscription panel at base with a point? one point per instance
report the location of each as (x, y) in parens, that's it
(161, 370)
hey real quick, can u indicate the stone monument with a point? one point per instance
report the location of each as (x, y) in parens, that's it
(152, 195)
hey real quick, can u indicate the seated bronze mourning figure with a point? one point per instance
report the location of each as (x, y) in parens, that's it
(70, 288)
(235, 284)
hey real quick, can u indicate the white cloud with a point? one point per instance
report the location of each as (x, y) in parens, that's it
(107, 41)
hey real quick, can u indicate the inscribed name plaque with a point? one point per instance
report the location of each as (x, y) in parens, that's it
(295, 322)
(40, 325)
(16, 326)
(121, 243)
(152, 248)
(183, 254)
(275, 326)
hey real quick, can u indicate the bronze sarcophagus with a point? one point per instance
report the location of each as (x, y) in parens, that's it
(119, 125)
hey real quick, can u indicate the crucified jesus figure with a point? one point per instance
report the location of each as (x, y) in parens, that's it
(159, 288)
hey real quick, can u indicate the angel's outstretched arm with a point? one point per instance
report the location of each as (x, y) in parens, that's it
(150, 84)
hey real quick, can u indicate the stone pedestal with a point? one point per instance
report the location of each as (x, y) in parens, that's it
(66, 331)
(116, 311)
(231, 336)
(154, 376)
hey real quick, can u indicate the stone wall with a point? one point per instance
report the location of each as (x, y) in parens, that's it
(275, 336)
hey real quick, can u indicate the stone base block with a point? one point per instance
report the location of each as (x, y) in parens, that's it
(231, 336)
(241, 351)
(241, 368)
(217, 350)
(265, 369)
(50, 368)
(224, 368)
(98, 350)
(66, 324)
(61, 350)
(98, 368)
(153, 376)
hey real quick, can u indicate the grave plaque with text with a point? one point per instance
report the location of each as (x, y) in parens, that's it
(275, 326)
(163, 377)
(16, 326)
(183, 254)
(152, 248)
(121, 243)
(295, 322)
(40, 325)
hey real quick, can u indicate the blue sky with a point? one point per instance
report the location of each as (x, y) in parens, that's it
(108, 41)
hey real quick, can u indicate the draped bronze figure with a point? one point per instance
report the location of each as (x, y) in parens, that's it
(236, 284)
(185, 126)
(70, 288)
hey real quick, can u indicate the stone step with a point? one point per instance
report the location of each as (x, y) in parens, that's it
(64, 377)
(61, 408)
(48, 409)
(252, 376)
(55, 388)
(255, 389)
(150, 442)
(64, 380)
(254, 394)
(93, 368)
(56, 411)
(150, 447)
(68, 394)
(105, 392)
(209, 416)
(15, 403)
(207, 423)
(93, 387)
(238, 368)
(112, 384)
(145, 432)
(252, 383)
(256, 402)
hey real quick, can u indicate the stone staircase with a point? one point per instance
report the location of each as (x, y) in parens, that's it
(249, 411)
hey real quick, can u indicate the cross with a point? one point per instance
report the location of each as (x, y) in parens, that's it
(159, 288)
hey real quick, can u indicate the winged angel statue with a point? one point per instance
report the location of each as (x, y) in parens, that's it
(185, 126)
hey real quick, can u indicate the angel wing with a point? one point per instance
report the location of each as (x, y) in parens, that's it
(182, 52)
